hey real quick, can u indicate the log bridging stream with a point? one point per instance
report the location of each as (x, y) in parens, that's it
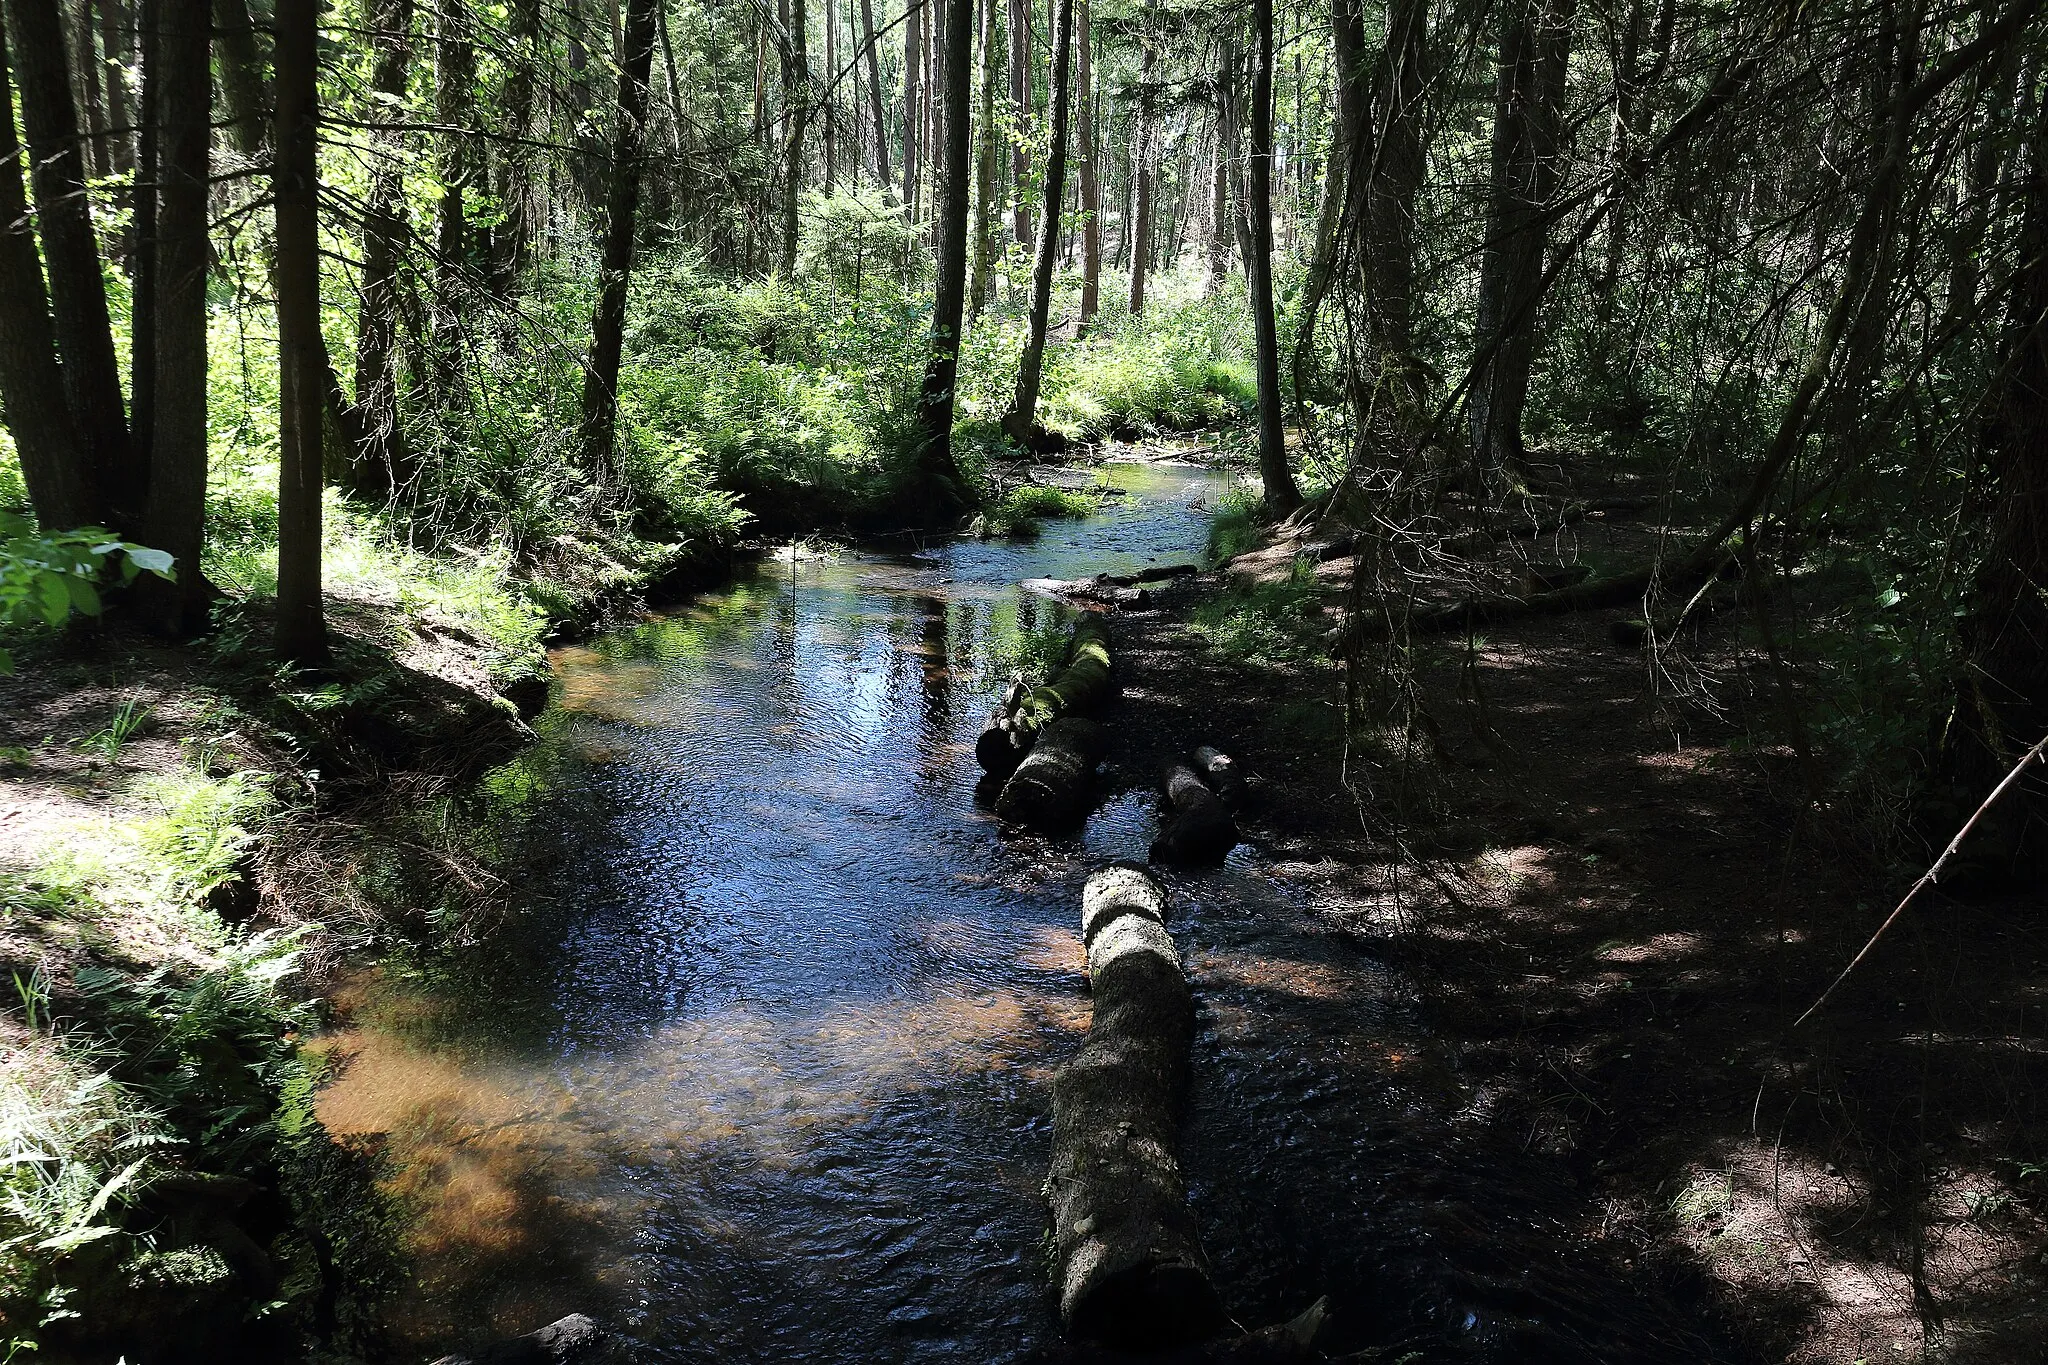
(1130, 1269)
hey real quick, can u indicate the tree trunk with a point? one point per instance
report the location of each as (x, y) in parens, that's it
(1197, 828)
(117, 44)
(1091, 193)
(1219, 199)
(913, 58)
(78, 296)
(986, 168)
(1020, 111)
(386, 463)
(867, 38)
(622, 202)
(302, 360)
(1387, 247)
(1349, 152)
(455, 168)
(940, 494)
(1535, 43)
(796, 104)
(142, 257)
(241, 76)
(512, 239)
(85, 48)
(1050, 789)
(1140, 225)
(1128, 1261)
(1030, 368)
(831, 97)
(175, 523)
(1277, 479)
(31, 384)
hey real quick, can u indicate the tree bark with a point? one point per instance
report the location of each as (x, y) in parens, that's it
(1219, 200)
(241, 76)
(1031, 367)
(455, 167)
(78, 296)
(1535, 44)
(176, 519)
(512, 239)
(1091, 193)
(1128, 1261)
(1081, 685)
(386, 460)
(114, 32)
(1387, 224)
(1050, 789)
(85, 49)
(1197, 828)
(142, 256)
(831, 98)
(1140, 224)
(1276, 478)
(302, 357)
(622, 202)
(1348, 150)
(985, 169)
(1020, 113)
(867, 38)
(796, 104)
(31, 384)
(939, 493)
(913, 58)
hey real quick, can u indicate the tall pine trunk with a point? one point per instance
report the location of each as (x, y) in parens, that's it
(512, 238)
(386, 464)
(78, 296)
(622, 203)
(302, 357)
(175, 521)
(455, 167)
(1387, 247)
(1275, 477)
(1091, 191)
(1139, 225)
(913, 60)
(1535, 44)
(31, 386)
(867, 38)
(241, 76)
(85, 51)
(1025, 414)
(985, 169)
(939, 492)
(1349, 160)
(796, 103)
(1020, 112)
(117, 45)
(831, 97)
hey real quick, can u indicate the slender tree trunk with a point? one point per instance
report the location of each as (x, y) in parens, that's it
(302, 357)
(1140, 230)
(31, 385)
(117, 43)
(1282, 496)
(176, 518)
(1387, 247)
(512, 239)
(1349, 152)
(1020, 111)
(867, 38)
(622, 201)
(1025, 414)
(142, 257)
(986, 169)
(831, 95)
(241, 76)
(455, 167)
(1091, 192)
(796, 103)
(386, 459)
(913, 59)
(1535, 44)
(1219, 201)
(85, 49)
(78, 296)
(940, 493)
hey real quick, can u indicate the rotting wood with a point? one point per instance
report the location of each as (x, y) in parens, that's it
(1128, 1259)
(1051, 787)
(1220, 771)
(1198, 829)
(1081, 683)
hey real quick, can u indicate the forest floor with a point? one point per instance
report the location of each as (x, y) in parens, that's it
(1614, 903)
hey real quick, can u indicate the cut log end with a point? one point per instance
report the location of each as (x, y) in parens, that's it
(1197, 829)
(1051, 787)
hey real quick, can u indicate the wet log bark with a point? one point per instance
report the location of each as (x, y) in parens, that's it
(1050, 788)
(1081, 683)
(1128, 1262)
(1198, 829)
(1221, 773)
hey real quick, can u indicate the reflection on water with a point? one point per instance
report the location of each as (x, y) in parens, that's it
(759, 1069)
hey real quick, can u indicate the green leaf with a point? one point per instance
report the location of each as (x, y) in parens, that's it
(158, 562)
(85, 598)
(56, 598)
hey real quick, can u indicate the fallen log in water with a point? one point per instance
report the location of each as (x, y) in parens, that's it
(1128, 1262)
(1050, 788)
(1078, 686)
(1198, 829)
(1220, 772)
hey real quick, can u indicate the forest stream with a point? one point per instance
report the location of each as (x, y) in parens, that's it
(756, 1069)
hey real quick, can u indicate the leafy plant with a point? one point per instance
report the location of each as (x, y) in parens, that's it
(46, 576)
(108, 740)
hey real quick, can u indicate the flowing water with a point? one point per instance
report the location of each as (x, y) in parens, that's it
(756, 1066)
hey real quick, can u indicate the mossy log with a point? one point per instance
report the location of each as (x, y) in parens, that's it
(1197, 829)
(1129, 1264)
(1080, 684)
(1050, 788)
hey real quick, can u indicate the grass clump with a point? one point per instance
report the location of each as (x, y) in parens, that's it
(1234, 524)
(1270, 624)
(1019, 511)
